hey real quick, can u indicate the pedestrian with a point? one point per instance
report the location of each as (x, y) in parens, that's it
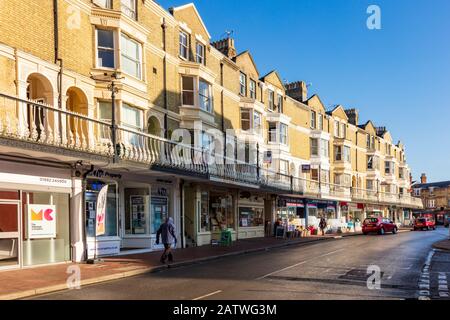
(168, 238)
(322, 225)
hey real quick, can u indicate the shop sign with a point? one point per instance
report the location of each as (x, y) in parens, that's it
(290, 203)
(105, 174)
(35, 180)
(102, 197)
(41, 221)
(306, 168)
(268, 157)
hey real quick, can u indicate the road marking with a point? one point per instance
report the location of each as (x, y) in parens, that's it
(298, 264)
(207, 295)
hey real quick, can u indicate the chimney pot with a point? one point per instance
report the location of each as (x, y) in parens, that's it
(423, 178)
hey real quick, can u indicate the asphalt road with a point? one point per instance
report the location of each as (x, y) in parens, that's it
(334, 269)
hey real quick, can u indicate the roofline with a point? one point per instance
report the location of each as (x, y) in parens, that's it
(196, 12)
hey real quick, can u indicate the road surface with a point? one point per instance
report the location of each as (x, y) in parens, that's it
(334, 269)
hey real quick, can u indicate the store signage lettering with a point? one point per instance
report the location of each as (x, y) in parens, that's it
(105, 174)
(35, 180)
(41, 221)
(102, 197)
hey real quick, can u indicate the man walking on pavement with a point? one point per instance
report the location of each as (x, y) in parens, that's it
(167, 233)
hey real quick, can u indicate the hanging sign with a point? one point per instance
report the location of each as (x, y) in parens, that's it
(41, 221)
(100, 228)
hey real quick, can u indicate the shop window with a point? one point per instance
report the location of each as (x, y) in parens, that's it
(92, 189)
(204, 212)
(137, 211)
(159, 211)
(251, 217)
(9, 195)
(50, 242)
(221, 211)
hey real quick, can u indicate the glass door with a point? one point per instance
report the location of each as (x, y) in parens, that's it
(9, 234)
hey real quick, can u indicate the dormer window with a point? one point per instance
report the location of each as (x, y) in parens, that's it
(184, 45)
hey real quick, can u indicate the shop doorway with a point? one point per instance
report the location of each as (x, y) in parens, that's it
(9, 234)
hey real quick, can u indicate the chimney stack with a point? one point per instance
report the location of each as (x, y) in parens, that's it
(353, 116)
(297, 90)
(423, 178)
(226, 46)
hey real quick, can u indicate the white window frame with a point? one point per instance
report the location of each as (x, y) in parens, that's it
(243, 84)
(200, 56)
(249, 119)
(283, 133)
(183, 90)
(280, 103)
(182, 45)
(271, 100)
(315, 147)
(313, 123)
(97, 62)
(209, 109)
(320, 121)
(252, 89)
(139, 54)
(130, 12)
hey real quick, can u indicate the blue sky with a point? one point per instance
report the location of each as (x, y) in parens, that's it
(398, 76)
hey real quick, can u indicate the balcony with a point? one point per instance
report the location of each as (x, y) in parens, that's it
(28, 125)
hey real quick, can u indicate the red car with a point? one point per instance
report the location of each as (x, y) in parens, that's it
(424, 223)
(379, 225)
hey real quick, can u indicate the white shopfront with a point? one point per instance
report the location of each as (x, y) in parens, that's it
(34, 215)
(136, 206)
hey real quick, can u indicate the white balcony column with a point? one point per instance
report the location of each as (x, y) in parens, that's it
(77, 223)
(22, 123)
(338, 212)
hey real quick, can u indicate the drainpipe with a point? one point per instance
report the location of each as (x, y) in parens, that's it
(182, 227)
(166, 106)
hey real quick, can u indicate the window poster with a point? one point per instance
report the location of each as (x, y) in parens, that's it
(138, 205)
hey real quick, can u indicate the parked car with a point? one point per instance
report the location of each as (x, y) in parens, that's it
(379, 225)
(424, 223)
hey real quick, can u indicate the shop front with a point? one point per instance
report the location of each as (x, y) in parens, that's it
(34, 215)
(135, 208)
(251, 215)
(291, 213)
(318, 209)
(216, 213)
(353, 215)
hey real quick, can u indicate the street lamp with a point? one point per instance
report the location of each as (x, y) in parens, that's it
(111, 78)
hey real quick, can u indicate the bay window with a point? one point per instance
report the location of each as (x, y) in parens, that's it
(324, 148)
(284, 167)
(131, 56)
(370, 185)
(246, 119)
(257, 121)
(184, 45)
(131, 119)
(272, 132)
(314, 146)
(188, 91)
(283, 134)
(105, 49)
(347, 154)
(338, 153)
(205, 96)
(388, 167)
(372, 163)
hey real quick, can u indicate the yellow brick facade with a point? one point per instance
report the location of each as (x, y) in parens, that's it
(158, 93)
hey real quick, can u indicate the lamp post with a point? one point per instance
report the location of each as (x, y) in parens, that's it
(111, 78)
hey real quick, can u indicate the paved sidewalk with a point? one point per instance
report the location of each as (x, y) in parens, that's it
(16, 284)
(442, 245)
